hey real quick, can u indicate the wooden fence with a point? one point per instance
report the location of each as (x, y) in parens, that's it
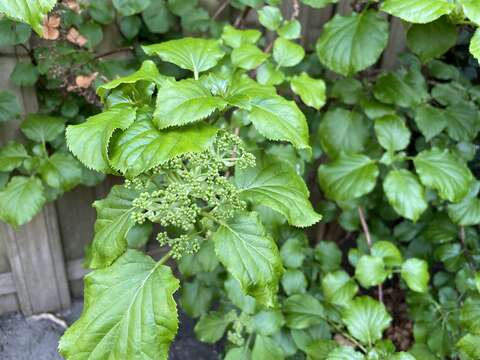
(41, 262)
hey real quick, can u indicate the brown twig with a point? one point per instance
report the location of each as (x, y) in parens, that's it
(220, 9)
(296, 9)
(241, 17)
(111, 52)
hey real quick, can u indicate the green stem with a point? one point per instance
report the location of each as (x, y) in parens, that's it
(165, 258)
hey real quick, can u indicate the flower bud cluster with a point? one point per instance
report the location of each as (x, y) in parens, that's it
(182, 245)
(241, 324)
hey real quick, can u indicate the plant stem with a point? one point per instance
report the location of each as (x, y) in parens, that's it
(220, 9)
(165, 258)
(296, 9)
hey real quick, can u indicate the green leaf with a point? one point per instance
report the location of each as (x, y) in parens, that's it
(467, 211)
(61, 171)
(268, 322)
(101, 11)
(13, 33)
(294, 282)
(370, 271)
(291, 29)
(366, 319)
(184, 102)
(279, 119)
(12, 156)
(210, 328)
(348, 177)
(142, 146)
(392, 133)
(405, 90)
(345, 353)
(21, 200)
(131, 7)
(196, 298)
(235, 38)
(129, 312)
(319, 349)
(352, 43)
(268, 74)
(310, 90)
(463, 122)
(266, 349)
(302, 311)
(294, 251)
(30, 12)
(431, 40)
(270, 17)
(24, 74)
(89, 141)
(348, 90)
(276, 185)
(475, 45)
(94, 34)
(471, 9)
(405, 194)
(147, 72)
(238, 353)
(343, 130)
(416, 275)
(112, 225)
(194, 54)
(338, 288)
(418, 11)
(158, 18)
(9, 107)
(470, 315)
(248, 57)
(286, 53)
(443, 172)
(328, 255)
(42, 128)
(430, 120)
(388, 252)
(250, 255)
(470, 345)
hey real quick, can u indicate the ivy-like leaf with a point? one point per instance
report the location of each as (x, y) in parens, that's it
(184, 102)
(430, 120)
(194, 54)
(61, 171)
(270, 17)
(276, 185)
(405, 194)
(418, 11)
(348, 177)
(30, 12)
(467, 211)
(9, 107)
(12, 156)
(310, 90)
(42, 128)
(248, 57)
(416, 275)
(339, 288)
(89, 141)
(114, 220)
(352, 43)
(370, 271)
(443, 172)
(286, 53)
(302, 311)
(250, 255)
(129, 312)
(463, 121)
(21, 200)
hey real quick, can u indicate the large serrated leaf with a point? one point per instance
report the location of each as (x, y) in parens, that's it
(129, 312)
(418, 11)
(61, 171)
(28, 11)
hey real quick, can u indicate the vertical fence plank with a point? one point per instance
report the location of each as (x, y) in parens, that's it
(396, 44)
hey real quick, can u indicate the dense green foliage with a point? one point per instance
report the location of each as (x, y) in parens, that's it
(221, 138)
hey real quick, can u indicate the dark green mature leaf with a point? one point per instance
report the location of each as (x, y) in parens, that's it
(101, 11)
(467, 211)
(443, 172)
(13, 33)
(310, 90)
(235, 38)
(266, 349)
(352, 43)
(129, 312)
(431, 40)
(113, 223)
(345, 353)
(294, 251)
(61, 171)
(328, 255)
(343, 130)
(93, 32)
(286, 53)
(416, 275)
(89, 141)
(9, 107)
(418, 11)
(239, 353)
(250, 255)
(405, 194)
(294, 282)
(194, 54)
(210, 328)
(339, 288)
(370, 271)
(302, 311)
(430, 120)
(366, 319)
(268, 322)
(12, 156)
(196, 298)
(157, 17)
(42, 128)
(392, 133)
(463, 121)
(30, 12)
(276, 185)
(184, 102)
(405, 90)
(21, 200)
(143, 146)
(130, 7)
(348, 177)
(24, 74)
(248, 56)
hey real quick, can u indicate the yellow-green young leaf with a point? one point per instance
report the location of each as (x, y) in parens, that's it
(370, 271)
(471, 9)
(192, 54)
(235, 38)
(129, 312)
(9, 107)
(114, 220)
(143, 146)
(248, 56)
(310, 90)
(239, 353)
(345, 353)
(348, 177)
(26, 11)
(265, 348)
(470, 315)
(42, 128)
(430, 120)
(291, 29)
(470, 346)
(147, 72)
(366, 319)
(405, 194)
(416, 275)
(443, 172)
(250, 255)
(184, 102)
(339, 288)
(302, 311)
(467, 211)
(392, 133)
(343, 130)
(287, 53)
(268, 74)
(12, 156)
(270, 17)
(418, 11)
(89, 141)
(61, 171)
(275, 184)
(210, 328)
(21, 200)
(388, 252)
(352, 43)
(475, 45)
